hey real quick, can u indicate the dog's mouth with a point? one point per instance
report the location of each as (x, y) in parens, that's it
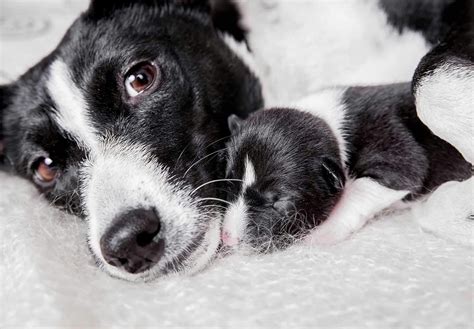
(191, 258)
(149, 224)
(176, 264)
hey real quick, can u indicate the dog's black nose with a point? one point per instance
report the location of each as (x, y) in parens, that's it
(132, 242)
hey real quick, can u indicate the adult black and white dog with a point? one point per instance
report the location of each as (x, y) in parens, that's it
(122, 122)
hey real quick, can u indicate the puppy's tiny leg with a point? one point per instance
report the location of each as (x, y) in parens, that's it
(362, 199)
(447, 212)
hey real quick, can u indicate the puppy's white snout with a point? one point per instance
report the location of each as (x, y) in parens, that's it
(235, 221)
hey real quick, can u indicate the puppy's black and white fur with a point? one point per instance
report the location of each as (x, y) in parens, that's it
(339, 158)
(143, 164)
(388, 154)
(286, 174)
(443, 84)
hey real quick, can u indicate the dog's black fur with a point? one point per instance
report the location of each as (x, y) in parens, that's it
(299, 173)
(203, 82)
(389, 143)
(454, 47)
(435, 19)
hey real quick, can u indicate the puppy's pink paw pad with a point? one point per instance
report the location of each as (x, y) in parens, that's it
(324, 236)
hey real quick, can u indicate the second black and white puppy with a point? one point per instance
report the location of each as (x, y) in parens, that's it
(345, 155)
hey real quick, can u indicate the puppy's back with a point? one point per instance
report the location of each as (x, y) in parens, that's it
(387, 140)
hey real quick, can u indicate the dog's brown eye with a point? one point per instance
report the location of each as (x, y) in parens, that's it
(45, 173)
(140, 78)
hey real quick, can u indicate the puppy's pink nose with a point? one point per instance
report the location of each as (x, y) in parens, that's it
(228, 240)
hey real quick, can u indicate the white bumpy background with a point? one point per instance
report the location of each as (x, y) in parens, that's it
(408, 269)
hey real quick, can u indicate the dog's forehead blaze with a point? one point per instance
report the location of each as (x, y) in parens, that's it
(71, 110)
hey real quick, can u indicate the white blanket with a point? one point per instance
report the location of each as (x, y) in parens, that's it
(394, 273)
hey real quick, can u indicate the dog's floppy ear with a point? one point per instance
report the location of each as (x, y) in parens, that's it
(234, 123)
(102, 8)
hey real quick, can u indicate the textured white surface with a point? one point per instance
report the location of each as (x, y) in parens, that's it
(391, 274)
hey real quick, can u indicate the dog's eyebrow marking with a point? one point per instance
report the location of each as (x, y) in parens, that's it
(71, 108)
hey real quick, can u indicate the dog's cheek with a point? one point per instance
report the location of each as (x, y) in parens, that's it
(5, 99)
(67, 194)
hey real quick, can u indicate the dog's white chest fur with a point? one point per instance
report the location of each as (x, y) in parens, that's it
(328, 43)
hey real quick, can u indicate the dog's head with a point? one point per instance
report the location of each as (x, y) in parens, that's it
(122, 124)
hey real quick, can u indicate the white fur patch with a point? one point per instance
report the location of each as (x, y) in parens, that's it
(362, 199)
(120, 177)
(445, 103)
(303, 46)
(71, 108)
(235, 218)
(234, 223)
(206, 251)
(249, 175)
(327, 105)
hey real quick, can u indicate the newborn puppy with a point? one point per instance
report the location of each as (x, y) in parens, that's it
(337, 159)
(291, 176)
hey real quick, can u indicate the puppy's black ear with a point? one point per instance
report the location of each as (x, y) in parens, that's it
(235, 123)
(332, 175)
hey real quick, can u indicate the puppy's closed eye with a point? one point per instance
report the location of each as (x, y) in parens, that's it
(283, 206)
(333, 175)
(255, 198)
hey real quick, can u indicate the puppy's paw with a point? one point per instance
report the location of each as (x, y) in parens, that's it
(327, 235)
(448, 212)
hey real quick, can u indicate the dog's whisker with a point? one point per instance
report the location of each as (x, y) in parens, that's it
(202, 146)
(202, 159)
(182, 152)
(214, 206)
(215, 199)
(217, 141)
(215, 181)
